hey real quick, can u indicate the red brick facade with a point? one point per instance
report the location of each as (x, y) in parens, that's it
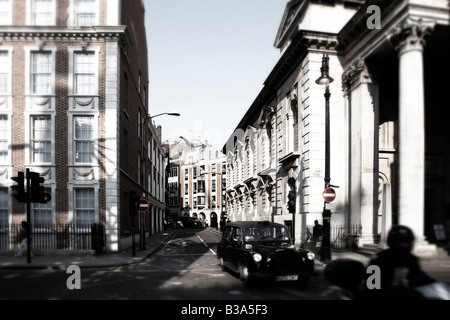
(117, 107)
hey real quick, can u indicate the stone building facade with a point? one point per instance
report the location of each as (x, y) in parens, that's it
(388, 163)
(201, 178)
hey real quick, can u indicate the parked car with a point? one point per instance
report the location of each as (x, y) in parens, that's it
(191, 222)
(263, 249)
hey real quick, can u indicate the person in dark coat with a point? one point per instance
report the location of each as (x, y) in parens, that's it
(317, 231)
(23, 236)
(400, 270)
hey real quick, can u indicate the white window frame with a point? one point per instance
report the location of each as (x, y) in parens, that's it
(6, 216)
(72, 141)
(8, 69)
(28, 78)
(73, 19)
(7, 9)
(8, 132)
(31, 18)
(72, 201)
(29, 134)
(44, 206)
(71, 80)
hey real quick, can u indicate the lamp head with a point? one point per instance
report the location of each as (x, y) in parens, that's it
(324, 78)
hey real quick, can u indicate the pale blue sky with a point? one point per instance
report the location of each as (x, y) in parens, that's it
(208, 60)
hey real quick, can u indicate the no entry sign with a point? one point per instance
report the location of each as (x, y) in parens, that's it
(143, 205)
(329, 194)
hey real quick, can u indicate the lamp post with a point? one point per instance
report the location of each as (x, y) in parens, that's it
(325, 80)
(144, 120)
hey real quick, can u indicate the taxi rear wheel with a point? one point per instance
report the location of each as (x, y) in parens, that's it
(222, 264)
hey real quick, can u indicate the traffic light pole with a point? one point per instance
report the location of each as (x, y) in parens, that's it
(28, 196)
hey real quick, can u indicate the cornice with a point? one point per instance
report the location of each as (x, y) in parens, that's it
(304, 42)
(35, 33)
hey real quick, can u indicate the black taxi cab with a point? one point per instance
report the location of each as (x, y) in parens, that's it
(263, 249)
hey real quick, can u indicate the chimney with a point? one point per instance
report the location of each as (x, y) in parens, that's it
(159, 133)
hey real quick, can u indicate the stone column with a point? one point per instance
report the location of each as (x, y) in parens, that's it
(363, 164)
(409, 41)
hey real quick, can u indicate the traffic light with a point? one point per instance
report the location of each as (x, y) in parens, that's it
(37, 191)
(21, 195)
(291, 201)
(133, 198)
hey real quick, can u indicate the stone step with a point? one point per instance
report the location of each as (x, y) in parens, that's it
(368, 249)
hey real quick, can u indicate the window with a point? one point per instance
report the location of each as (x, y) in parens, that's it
(84, 69)
(42, 12)
(4, 141)
(41, 139)
(85, 13)
(41, 73)
(84, 139)
(173, 172)
(295, 124)
(213, 185)
(139, 124)
(4, 200)
(201, 186)
(5, 12)
(186, 188)
(84, 205)
(5, 68)
(42, 212)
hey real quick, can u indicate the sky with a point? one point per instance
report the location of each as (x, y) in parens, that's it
(208, 60)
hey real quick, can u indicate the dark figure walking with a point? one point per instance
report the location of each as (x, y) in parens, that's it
(317, 231)
(23, 239)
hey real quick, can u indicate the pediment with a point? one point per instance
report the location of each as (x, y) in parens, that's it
(290, 16)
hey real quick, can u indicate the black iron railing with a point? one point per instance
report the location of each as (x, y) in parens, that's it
(55, 236)
(343, 237)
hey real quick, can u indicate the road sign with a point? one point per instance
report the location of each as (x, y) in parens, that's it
(329, 194)
(143, 205)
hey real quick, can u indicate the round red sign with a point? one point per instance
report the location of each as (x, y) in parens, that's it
(143, 205)
(329, 194)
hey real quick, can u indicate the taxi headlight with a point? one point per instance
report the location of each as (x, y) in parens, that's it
(257, 257)
(311, 255)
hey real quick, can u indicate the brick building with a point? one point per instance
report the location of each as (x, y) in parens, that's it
(73, 107)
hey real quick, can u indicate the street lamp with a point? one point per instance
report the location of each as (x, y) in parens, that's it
(325, 80)
(171, 113)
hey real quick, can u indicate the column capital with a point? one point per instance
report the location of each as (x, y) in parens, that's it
(354, 75)
(410, 35)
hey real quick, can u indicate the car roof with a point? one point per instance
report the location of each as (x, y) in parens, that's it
(253, 224)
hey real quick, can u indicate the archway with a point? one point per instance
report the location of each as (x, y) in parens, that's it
(213, 218)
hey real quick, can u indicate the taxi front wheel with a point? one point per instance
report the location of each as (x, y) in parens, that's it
(244, 274)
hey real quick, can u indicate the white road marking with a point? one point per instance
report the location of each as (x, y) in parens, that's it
(206, 244)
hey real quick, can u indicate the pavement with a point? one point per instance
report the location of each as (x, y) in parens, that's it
(101, 260)
(438, 268)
